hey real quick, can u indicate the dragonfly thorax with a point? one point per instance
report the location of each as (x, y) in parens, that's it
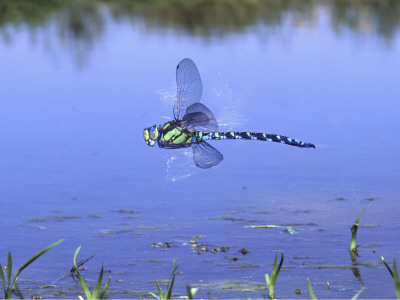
(175, 134)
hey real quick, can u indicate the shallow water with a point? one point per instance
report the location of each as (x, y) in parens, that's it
(76, 94)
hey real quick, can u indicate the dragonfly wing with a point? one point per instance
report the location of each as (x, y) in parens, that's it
(195, 119)
(189, 87)
(206, 156)
(199, 117)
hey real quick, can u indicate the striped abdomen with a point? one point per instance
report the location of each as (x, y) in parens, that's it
(201, 136)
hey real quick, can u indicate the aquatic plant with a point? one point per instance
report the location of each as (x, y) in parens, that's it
(387, 266)
(396, 280)
(354, 228)
(96, 294)
(168, 292)
(395, 276)
(10, 282)
(274, 275)
(358, 293)
(289, 229)
(310, 290)
(313, 297)
(190, 291)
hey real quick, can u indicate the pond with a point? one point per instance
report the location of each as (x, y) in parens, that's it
(80, 80)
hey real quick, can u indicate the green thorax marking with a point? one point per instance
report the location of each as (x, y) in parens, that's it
(166, 125)
(175, 135)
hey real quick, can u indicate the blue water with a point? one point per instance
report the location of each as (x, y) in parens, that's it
(72, 116)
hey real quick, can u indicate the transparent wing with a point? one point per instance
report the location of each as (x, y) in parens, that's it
(189, 87)
(199, 117)
(206, 156)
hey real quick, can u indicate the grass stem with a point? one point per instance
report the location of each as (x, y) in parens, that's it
(274, 275)
(354, 228)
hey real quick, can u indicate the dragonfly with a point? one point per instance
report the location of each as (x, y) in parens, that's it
(194, 124)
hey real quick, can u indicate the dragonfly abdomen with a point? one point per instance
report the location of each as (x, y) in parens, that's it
(202, 136)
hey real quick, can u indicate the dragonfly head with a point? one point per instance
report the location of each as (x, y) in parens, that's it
(151, 135)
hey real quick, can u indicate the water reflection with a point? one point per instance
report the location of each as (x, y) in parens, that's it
(80, 24)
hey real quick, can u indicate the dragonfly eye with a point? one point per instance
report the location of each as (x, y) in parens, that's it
(146, 134)
(154, 132)
(151, 135)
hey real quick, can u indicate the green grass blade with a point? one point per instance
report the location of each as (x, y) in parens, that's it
(84, 286)
(160, 292)
(359, 217)
(353, 245)
(96, 290)
(7, 294)
(171, 281)
(396, 279)
(276, 270)
(270, 280)
(275, 261)
(310, 290)
(172, 273)
(170, 287)
(81, 280)
(358, 294)
(75, 255)
(3, 280)
(270, 286)
(267, 279)
(9, 269)
(387, 266)
(154, 295)
(354, 229)
(105, 287)
(280, 266)
(32, 259)
(274, 275)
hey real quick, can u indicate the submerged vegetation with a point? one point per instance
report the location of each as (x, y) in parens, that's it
(10, 287)
(288, 229)
(313, 297)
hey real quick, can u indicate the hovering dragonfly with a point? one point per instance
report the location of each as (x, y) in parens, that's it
(194, 123)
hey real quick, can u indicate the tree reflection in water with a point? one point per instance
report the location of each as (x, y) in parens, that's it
(78, 24)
